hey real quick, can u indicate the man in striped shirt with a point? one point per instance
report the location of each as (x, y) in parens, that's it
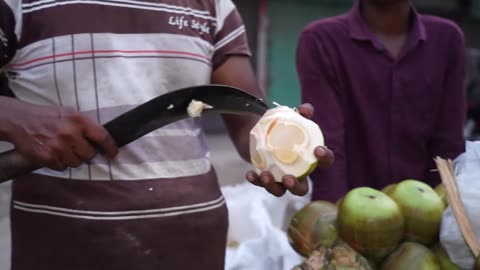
(156, 203)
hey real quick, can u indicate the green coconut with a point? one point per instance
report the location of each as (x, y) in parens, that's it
(339, 201)
(313, 226)
(422, 209)
(411, 256)
(442, 193)
(388, 188)
(443, 259)
(370, 222)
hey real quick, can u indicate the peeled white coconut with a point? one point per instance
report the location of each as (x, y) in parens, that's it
(195, 108)
(283, 142)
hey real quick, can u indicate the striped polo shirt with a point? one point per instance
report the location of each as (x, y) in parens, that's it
(104, 57)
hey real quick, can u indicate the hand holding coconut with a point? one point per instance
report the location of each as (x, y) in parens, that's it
(285, 147)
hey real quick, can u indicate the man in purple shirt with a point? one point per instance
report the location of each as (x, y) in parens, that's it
(388, 87)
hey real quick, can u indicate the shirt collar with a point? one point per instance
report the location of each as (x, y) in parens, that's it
(359, 30)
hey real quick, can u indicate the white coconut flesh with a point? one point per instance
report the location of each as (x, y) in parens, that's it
(195, 108)
(283, 142)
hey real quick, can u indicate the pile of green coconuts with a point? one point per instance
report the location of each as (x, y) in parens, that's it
(396, 228)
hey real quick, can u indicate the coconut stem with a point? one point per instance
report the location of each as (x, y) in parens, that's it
(448, 178)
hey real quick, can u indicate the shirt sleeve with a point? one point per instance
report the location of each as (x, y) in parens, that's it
(319, 88)
(448, 139)
(230, 36)
(7, 33)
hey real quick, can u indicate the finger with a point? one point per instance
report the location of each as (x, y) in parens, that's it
(52, 162)
(100, 136)
(56, 165)
(325, 156)
(297, 187)
(69, 159)
(271, 186)
(84, 150)
(253, 178)
(306, 110)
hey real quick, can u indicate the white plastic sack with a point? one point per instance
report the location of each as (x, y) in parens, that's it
(467, 172)
(257, 238)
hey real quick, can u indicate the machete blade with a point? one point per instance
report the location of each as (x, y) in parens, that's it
(172, 107)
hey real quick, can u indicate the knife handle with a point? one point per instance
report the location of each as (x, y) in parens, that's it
(13, 165)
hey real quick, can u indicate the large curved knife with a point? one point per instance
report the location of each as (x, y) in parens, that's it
(154, 114)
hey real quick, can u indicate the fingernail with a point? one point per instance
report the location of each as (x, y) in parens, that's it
(321, 151)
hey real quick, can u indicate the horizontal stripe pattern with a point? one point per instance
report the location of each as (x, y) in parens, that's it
(100, 53)
(32, 7)
(118, 225)
(88, 55)
(114, 170)
(223, 9)
(120, 60)
(174, 7)
(119, 215)
(114, 56)
(117, 196)
(134, 80)
(195, 19)
(230, 37)
(142, 150)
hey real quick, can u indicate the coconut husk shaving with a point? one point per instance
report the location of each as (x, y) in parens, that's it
(339, 256)
(447, 174)
(316, 261)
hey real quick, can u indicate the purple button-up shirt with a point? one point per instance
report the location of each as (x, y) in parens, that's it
(384, 118)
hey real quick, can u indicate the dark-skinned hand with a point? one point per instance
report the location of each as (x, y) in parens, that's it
(56, 137)
(295, 186)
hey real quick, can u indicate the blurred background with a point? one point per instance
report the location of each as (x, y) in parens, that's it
(273, 28)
